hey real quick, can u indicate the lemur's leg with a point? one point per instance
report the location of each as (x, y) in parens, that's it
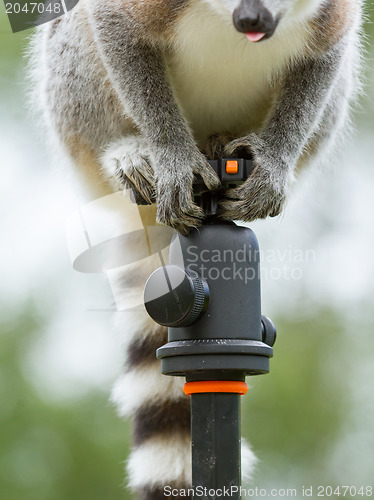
(335, 123)
(304, 95)
(137, 71)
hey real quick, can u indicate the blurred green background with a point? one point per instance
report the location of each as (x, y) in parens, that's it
(310, 421)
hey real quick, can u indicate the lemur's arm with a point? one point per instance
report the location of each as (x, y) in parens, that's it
(137, 70)
(304, 93)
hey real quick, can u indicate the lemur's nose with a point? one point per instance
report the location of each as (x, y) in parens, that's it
(248, 20)
(253, 16)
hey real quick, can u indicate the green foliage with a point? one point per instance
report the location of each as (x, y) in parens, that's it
(52, 450)
(297, 411)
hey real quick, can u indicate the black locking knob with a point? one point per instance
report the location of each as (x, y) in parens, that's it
(175, 297)
(269, 332)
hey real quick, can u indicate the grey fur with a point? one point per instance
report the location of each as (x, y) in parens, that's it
(138, 72)
(116, 72)
(302, 105)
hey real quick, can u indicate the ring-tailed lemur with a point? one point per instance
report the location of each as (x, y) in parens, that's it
(141, 91)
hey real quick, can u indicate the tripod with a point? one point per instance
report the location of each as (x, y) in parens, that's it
(209, 297)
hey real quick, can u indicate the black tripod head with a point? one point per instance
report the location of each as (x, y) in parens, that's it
(209, 295)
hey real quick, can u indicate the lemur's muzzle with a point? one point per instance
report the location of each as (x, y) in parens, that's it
(255, 20)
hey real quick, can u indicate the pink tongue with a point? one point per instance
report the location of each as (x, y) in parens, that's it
(254, 37)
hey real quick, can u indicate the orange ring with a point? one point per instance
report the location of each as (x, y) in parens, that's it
(215, 386)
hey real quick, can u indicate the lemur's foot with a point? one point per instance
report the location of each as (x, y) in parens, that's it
(175, 206)
(263, 194)
(127, 162)
(215, 146)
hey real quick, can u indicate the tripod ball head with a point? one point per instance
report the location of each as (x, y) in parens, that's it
(209, 294)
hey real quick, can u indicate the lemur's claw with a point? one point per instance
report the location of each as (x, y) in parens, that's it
(181, 220)
(210, 178)
(143, 191)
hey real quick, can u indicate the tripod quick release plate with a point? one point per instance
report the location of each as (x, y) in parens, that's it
(232, 172)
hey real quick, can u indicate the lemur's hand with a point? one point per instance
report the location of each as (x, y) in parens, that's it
(263, 193)
(215, 146)
(127, 164)
(175, 175)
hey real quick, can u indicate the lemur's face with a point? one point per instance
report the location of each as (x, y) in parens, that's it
(258, 19)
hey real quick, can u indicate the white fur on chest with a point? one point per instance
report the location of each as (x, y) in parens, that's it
(222, 81)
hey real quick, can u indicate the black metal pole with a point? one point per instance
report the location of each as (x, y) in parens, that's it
(215, 434)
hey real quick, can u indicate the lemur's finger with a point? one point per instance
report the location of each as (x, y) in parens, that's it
(277, 210)
(239, 210)
(142, 189)
(179, 212)
(250, 208)
(182, 222)
(140, 178)
(233, 194)
(210, 178)
(230, 210)
(145, 171)
(141, 198)
(136, 197)
(215, 146)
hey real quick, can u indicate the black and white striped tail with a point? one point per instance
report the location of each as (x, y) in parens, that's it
(161, 417)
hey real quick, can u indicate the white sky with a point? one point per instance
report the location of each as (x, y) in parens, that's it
(330, 216)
